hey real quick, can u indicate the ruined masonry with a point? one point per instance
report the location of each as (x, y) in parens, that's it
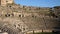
(5, 2)
(19, 19)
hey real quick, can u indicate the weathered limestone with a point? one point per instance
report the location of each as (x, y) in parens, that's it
(5, 2)
(23, 19)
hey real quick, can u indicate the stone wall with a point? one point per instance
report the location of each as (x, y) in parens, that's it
(57, 10)
(38, 31)
(5, 2)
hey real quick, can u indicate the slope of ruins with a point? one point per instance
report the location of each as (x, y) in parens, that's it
(16, 19)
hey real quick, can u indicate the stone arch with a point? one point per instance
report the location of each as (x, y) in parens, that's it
(7, 15)
(10, 6)
(19, 15)
(33, 16)
(22, 15)
(18, 26)
(12, 14)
